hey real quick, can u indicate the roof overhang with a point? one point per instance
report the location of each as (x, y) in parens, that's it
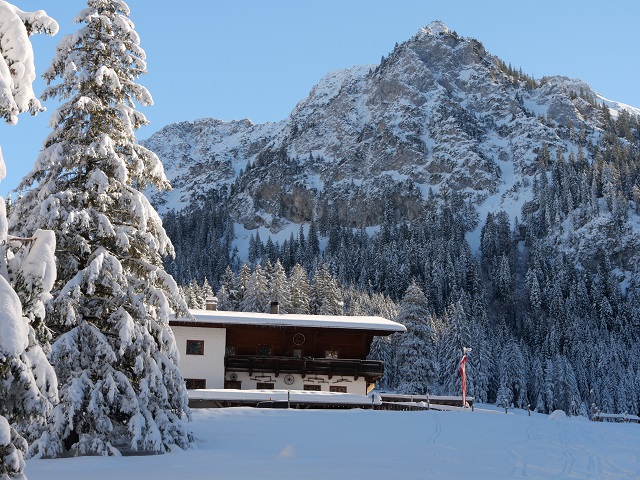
(223, 319)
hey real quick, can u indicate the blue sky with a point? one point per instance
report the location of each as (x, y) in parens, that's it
(256, 59)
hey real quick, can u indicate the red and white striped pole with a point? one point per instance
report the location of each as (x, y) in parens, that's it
(462, 368)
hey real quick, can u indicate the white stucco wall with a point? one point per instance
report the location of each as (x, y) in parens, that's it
(209, 366)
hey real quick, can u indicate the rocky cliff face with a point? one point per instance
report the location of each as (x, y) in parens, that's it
(439, 116)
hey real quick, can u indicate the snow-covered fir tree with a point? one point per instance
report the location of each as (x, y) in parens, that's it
(279, 288)
(114, 353)
(227, 292)
(455, 337)
(326, 298)
(256, 296)
(28, 386)
(193, 295)
(565, 387)
(196, 295)
(207, 291)
(300, 291)
(240, 287)
(480, 363)
(414, 364)
(513, 388)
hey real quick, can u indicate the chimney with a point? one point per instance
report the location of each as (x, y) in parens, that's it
(275, 308)
(211, 303)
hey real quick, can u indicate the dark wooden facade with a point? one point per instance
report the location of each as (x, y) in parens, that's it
(298, 342)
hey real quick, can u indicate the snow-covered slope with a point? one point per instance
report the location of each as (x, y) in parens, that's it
(205, 154)
(242, 443)
(439, 114)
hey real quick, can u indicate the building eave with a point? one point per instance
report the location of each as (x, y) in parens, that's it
(222, 319)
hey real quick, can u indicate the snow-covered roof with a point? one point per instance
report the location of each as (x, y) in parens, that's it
(217, 317)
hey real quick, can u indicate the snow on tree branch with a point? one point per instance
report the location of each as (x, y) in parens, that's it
(17, 69)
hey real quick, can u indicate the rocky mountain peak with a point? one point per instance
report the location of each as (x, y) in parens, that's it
(434, 28)
(439, 117)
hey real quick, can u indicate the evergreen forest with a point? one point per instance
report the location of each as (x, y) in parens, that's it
(551, 312)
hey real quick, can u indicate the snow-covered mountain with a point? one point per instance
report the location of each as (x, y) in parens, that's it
(439, 114)
(419, 150)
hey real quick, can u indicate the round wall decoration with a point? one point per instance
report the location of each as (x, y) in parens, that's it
(288, 379)
(298, 338)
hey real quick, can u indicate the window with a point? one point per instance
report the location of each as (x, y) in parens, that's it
(313, 388)
(193, 383)
(230, 350)
(264, 386)
(195, 347)
(265, 350)
(297, 353)
(338, 389)
(331, 353)
(233, 384)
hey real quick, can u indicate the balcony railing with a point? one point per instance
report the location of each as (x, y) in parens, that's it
(370, 369)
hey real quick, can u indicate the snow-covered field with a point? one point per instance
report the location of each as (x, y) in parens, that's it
(247, 443)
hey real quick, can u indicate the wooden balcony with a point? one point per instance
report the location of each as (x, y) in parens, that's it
(372, 370)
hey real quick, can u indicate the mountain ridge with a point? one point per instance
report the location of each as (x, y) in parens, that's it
(438, 116)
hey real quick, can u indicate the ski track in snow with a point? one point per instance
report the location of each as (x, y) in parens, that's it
(432, 440)
(517, 455)
(569, 458)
